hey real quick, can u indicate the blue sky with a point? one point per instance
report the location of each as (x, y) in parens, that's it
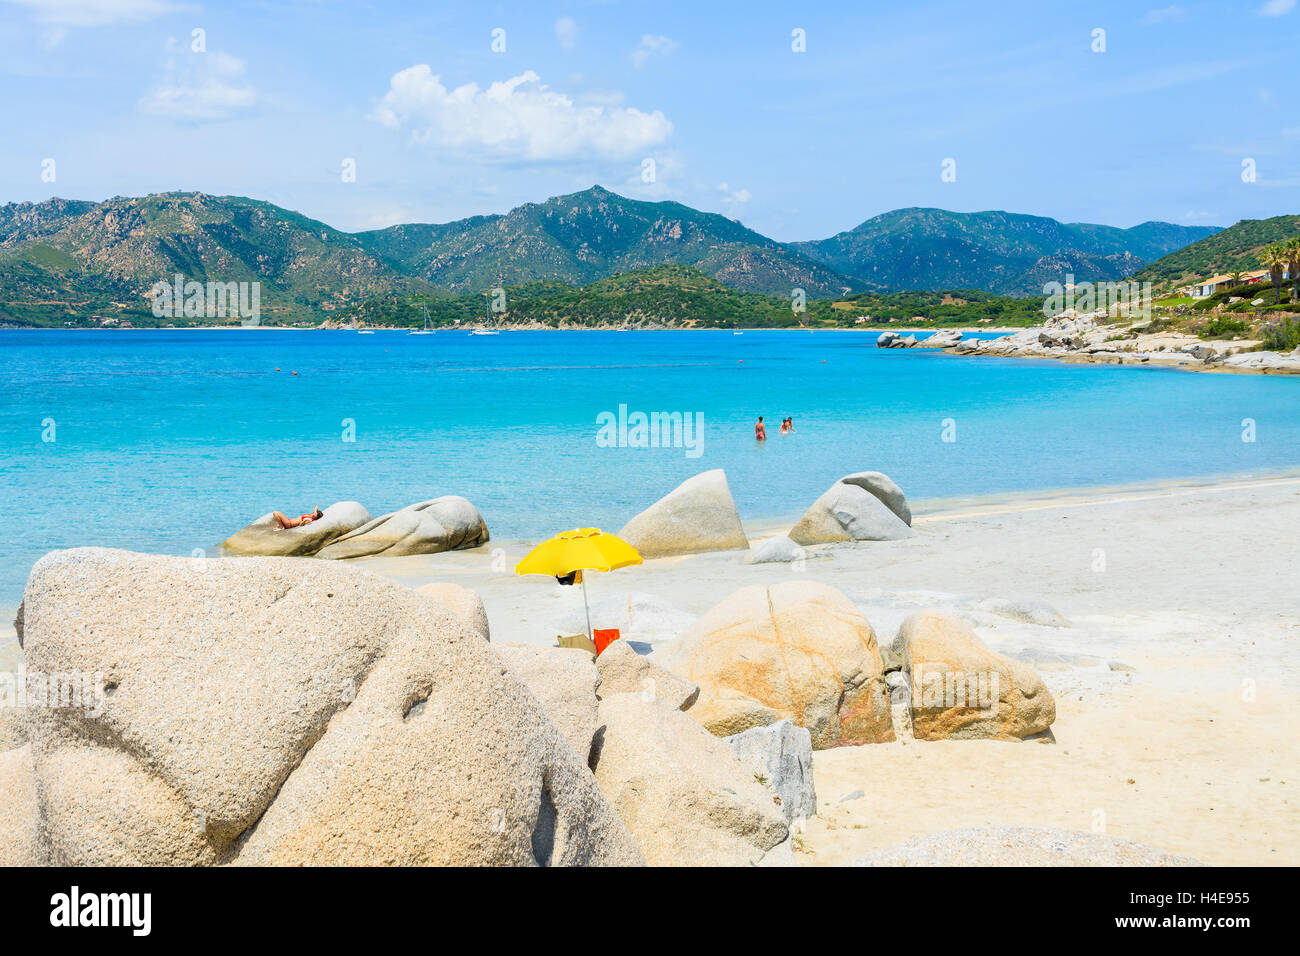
(797, 145)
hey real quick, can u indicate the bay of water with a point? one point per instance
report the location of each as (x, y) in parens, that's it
(170, 441)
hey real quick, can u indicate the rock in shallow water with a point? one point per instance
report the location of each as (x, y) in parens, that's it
(866, 506)
(449, 523)
(266, 538)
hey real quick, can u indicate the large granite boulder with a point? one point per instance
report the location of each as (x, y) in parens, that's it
(961, 690)
(18, 814)
(895, 340)
(798, 650)
(266, 538)
(339, 712)
(449, 523)
(564, 680)
(697, 515)
(944, 339)
(780, 757)
(462, 602)
(623, 671)
(13, 720)
(777, 550)
(441, 762)
(866, 506)
(683, 795)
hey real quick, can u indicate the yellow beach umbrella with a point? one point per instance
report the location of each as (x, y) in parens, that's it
(583, 549)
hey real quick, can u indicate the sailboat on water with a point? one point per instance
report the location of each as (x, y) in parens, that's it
(487, 329)
(426, 330)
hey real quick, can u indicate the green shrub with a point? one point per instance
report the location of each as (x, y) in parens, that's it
(1280, 336)
(1221, 327)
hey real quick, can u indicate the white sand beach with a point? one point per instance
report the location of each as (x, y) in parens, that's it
(1175, 685)
(1174, 679)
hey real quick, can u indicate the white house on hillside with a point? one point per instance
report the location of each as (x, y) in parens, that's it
(1221, 282)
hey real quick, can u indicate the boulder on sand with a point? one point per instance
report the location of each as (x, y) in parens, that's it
(266, 538)
(961, 690)
(623, 671)
(564, 680)
(449, 523)
(866, 506)
(798, 650)
(685, 798)
(697, 515)
(780, 755)
(338, 712)
(462, 602)
(778, 550)
(441, 763)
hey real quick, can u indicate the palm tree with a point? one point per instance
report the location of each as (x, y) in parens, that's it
(1237, 276)
(1273, 257)
(1292, 249)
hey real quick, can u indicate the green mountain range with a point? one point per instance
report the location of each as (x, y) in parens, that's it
(76, 262)
(1235, 248)
(995, 251)
(591, 235)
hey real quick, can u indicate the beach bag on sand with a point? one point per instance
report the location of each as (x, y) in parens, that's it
(605, 636)
(581, 641)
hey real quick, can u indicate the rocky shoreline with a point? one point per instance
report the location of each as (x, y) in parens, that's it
(1093, 338)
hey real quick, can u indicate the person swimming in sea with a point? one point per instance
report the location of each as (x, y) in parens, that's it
(760, 430)
(285, 522)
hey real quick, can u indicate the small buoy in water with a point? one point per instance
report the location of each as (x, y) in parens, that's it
(295, 373)
(277, 368)
(742, 361)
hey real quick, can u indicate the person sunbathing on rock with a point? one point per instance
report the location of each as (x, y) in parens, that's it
(286, 522)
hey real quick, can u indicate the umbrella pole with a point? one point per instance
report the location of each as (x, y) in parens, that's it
(587, 607)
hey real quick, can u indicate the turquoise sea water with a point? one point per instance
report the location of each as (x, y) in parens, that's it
(171, 440)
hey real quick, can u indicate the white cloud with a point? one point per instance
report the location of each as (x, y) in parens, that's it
(733, 199)
(566, 31)
(1276, 8)
(199, 86)
(652, 45)
(94, 13)
(59, 16)
(518, 118)
(1165, 14)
